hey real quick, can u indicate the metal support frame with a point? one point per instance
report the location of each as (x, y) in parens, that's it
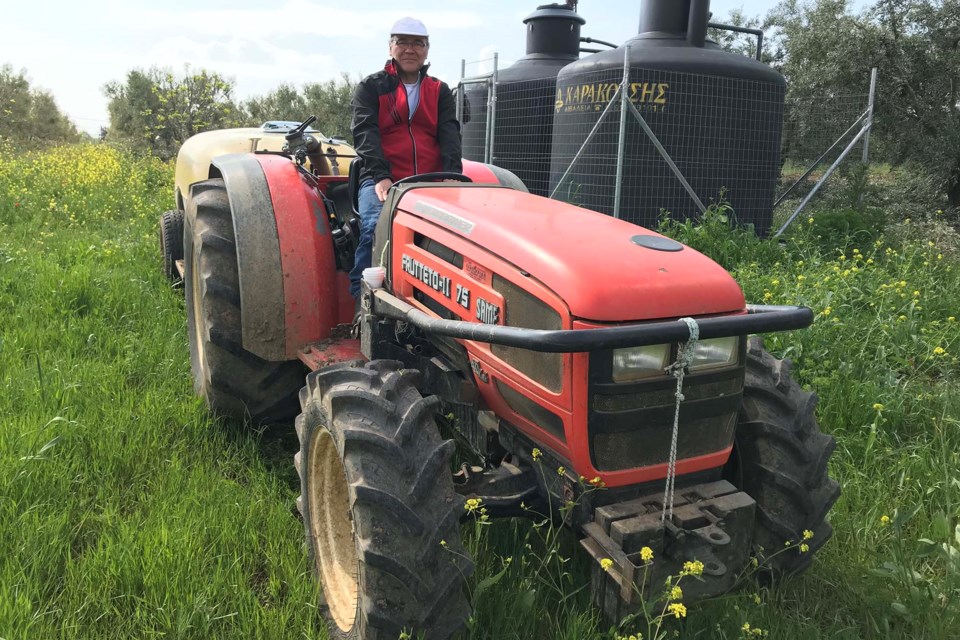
(622, 140)
(490, 137)
(593, 132)
(873, 91)
(666, 157)
(460, 86)
(627, 105)
(816, 187)
(816, 163)
(867, 119)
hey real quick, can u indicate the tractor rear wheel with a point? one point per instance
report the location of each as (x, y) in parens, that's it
(171, 243)
(234, 382)
(780, 459)
(379, 510)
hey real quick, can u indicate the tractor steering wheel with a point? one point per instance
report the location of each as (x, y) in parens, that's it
(436, 175)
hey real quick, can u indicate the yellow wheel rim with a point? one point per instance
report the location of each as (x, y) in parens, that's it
(332, 528)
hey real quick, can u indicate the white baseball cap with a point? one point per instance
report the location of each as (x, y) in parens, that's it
(409, 27)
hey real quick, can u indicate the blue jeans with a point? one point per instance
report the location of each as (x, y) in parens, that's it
(370, 206)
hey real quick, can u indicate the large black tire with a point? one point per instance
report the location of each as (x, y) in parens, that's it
(780, 460)
(235, 383)
(171, 243)
(379, 510)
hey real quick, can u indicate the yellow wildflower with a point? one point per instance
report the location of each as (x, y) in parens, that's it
(561, 471)
(537, 454)
(678, 610)
(472, 505)
(804, 547)
(676, 593)
(606, 563)
(694, 568)
(884, 520)
(646, 554)
(939, 351)
(877, 406)
(807, 534)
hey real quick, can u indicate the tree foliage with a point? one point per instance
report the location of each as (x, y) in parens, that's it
(30, 118)
(329, 101)
(158, 111)
(826, 49)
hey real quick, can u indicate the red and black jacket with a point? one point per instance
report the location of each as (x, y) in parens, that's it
(392, 144)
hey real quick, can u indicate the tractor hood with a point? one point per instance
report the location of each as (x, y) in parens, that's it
(605, 269)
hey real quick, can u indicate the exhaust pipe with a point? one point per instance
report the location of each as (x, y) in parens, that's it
(697, 22)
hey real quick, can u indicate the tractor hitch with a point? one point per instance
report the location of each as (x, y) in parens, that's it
(711, 522)
(757, 319)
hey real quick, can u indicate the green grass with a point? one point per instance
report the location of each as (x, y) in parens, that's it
(127, 511)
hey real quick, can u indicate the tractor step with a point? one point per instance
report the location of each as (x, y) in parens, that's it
(341, 347)
(711, 522)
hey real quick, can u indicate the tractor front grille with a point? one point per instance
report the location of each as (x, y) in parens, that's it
(630, 425)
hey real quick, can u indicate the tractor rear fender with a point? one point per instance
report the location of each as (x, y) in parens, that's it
(290, 291)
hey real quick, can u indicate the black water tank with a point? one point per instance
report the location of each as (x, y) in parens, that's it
(526, 92)
(718, 114)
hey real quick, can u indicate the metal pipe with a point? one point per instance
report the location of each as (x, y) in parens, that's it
(758, 319)
(622, 140)
(493, 109)
(590, 136)
(589, 40)
(816, 187)
(697, 22)
(460, 86)
(730, 27)
(817, 162)
(866, 138)
(667, 158)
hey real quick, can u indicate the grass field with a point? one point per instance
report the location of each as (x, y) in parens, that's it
(126, 511)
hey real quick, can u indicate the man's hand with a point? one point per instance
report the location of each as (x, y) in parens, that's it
(382, 187)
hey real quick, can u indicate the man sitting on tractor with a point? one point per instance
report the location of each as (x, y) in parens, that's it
(404, 123)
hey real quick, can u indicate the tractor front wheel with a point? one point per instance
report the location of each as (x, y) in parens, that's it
(780, 459)
(235, 383)
(380, 513)
(171, 243)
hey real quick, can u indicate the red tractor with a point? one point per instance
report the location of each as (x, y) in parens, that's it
(548, 335)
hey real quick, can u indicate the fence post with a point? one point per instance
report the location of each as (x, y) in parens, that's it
(866, 138)
(460, 89)
(622, 140)
(492, 108)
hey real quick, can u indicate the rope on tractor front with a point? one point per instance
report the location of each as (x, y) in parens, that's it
(678, 369)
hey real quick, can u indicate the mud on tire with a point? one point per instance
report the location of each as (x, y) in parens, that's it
(377, 500)
(235, 382)
(780, 460)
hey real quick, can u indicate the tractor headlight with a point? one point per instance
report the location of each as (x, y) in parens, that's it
(636, 363)
(715, 353)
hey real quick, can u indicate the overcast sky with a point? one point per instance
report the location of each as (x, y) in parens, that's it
(73, 48)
